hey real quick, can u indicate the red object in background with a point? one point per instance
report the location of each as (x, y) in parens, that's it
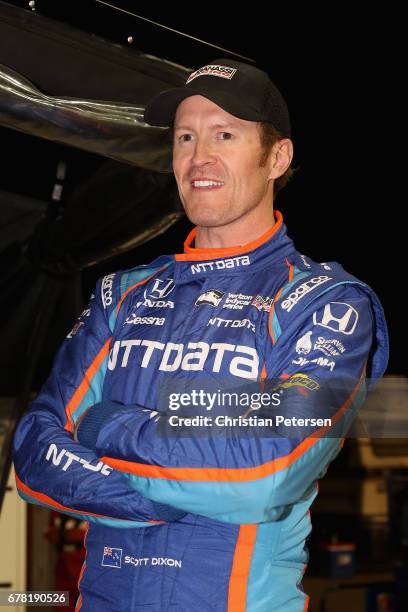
(67, 571)
(67, 534)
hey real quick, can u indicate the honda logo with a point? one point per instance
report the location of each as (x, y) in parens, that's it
(161, 289)
(337, 316)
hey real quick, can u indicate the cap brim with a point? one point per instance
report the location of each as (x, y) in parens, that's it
(161, 110)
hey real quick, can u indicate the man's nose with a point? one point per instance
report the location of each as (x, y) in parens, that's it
(203, 153)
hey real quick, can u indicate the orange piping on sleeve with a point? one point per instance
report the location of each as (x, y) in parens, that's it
(44, 499)
(85, 384)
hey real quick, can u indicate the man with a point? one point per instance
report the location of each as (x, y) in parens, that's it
(206, 519)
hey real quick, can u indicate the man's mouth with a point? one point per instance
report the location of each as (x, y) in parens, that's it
(206, 184)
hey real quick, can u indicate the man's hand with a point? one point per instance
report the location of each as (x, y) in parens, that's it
(86, 432)
(90, 422)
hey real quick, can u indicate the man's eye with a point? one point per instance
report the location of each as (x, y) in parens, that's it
(228, 134)
(189, 137)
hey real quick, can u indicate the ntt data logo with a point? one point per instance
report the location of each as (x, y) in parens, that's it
(221, 264)
(237, 359)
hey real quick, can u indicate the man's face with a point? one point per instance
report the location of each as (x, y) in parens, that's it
(212, 145)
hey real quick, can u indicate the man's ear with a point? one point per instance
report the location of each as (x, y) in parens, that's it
(280, 158)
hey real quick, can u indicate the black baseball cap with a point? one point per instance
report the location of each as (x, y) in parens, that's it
(240, 89)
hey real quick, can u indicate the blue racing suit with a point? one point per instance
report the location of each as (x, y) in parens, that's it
(216, 521)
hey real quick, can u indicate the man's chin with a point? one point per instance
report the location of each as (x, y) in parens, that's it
(203, 220)
(206, 216)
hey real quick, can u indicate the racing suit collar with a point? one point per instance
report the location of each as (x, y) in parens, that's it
(274, 246)
(192, 253)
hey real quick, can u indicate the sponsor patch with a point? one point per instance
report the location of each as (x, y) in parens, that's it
(160, 289)
(304, 344)
(237, 301)
(338, 317)
(218, 322)
(293, 298)
(112, 557)
(79, 322)
(156, 304)
(262, 303)
(221, 264)
(135, 320)
(305, 262)
(330, 347)
(211, 297)
(106, 289)
(225, 72)
(75, 329)
(320, 361)
(56, 455)
(300, 380)
(239, 360)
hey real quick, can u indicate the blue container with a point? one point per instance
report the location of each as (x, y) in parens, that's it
(338, 560)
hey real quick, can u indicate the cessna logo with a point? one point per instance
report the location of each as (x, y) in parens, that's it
(293, 298)
(241, 360)
(134, 320)
(221, 264)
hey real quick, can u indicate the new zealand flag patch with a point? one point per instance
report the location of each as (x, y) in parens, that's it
(112, 557)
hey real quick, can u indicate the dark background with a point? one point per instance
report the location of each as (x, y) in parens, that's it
(337, 72)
